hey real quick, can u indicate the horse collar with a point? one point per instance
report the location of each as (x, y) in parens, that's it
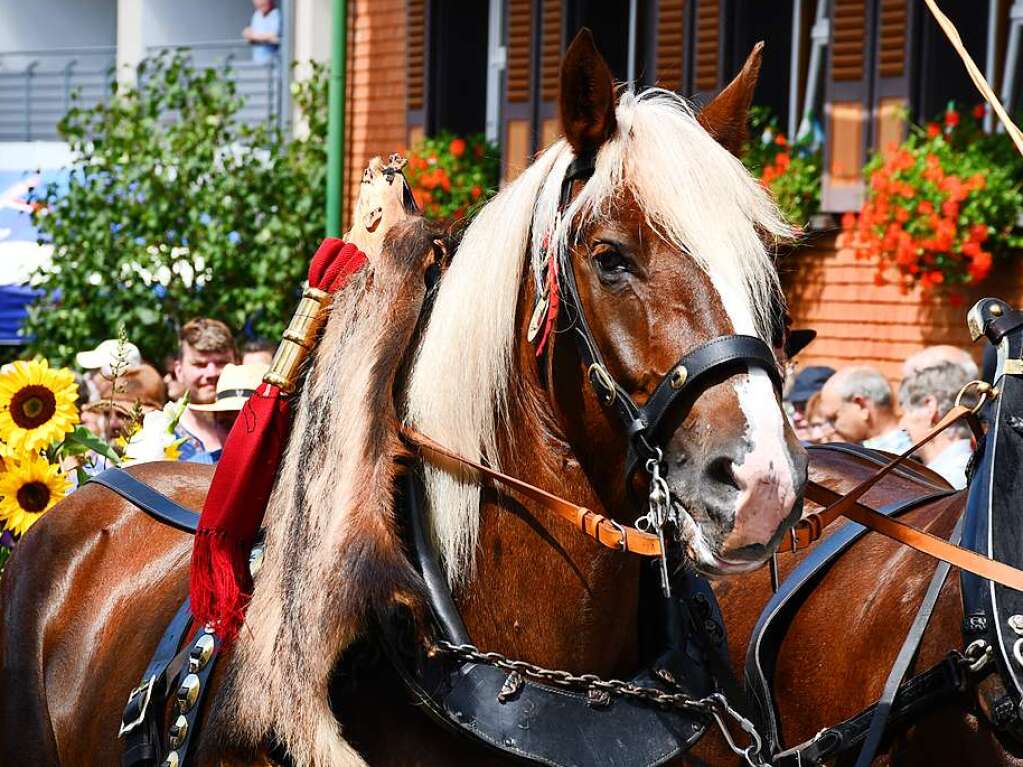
(485, 697)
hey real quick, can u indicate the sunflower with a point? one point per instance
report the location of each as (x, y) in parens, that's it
(28, 489)
(37, 405)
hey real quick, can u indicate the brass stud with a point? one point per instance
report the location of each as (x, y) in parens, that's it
(172, 760)
(679, 376)
(995, 310)
(188, 693)
(201, 653)
(178, 731)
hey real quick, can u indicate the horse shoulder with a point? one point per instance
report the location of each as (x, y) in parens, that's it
(93, 562)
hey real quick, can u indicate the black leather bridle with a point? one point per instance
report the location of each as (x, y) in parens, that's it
(685, 379)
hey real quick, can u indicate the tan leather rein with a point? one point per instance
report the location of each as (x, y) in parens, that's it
(619, 537)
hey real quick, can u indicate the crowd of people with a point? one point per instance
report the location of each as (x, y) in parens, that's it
(855, 404)
(118, 388)
(859, 404)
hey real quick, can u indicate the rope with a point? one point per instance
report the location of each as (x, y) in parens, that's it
(975, 74)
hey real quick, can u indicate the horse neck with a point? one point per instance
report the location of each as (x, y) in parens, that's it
(542, 591)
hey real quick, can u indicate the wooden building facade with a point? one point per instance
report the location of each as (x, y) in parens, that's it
(853, 71)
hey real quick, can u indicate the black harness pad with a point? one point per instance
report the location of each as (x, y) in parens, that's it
(994, 613)
(548, 724)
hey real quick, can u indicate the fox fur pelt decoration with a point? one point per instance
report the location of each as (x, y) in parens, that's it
(333, 555)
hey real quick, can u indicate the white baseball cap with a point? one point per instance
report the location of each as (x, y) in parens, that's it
(106, 355)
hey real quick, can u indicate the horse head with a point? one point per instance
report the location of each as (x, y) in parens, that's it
(646, 241)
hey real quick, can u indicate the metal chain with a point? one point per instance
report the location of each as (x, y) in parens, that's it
(714, 705)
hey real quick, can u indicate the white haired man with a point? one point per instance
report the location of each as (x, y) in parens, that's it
(925, 396)
(858, 403)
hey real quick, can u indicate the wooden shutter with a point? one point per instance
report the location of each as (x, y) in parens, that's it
(707, 41)
(518, 140)
(550, 71)
(670, 43)
(891, 83)
(847, 104)
(520, 32)
(415, 71)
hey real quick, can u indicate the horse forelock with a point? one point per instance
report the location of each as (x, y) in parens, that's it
(694, 194)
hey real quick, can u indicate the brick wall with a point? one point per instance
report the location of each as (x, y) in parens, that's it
(857, 321)
(375, 117)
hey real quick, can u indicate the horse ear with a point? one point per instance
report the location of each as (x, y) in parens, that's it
(587, 95)
(726, 117)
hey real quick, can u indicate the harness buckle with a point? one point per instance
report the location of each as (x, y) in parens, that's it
(145, 689)
(620, 529)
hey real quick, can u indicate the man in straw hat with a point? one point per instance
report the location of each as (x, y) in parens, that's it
(234, 387)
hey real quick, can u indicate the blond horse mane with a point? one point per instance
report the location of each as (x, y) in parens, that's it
(696, 196)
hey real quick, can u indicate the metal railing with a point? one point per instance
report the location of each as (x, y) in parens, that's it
(37, 87)
(260, 85)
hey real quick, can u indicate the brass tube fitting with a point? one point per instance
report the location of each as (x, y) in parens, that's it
(298, 339)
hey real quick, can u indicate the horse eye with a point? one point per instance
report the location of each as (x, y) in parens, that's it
(609, 260)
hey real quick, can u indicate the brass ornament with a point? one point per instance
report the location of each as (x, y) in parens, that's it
(679, 376)
(178, 732)
(188, 693)
(298, 339)
(201, 653)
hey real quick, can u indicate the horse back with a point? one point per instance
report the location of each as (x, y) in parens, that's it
(85, 597)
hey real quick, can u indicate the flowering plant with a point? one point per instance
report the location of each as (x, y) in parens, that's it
(791, 170)
(942, 206)
(449, 175)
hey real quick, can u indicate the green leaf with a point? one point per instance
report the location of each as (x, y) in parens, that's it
(85, 438)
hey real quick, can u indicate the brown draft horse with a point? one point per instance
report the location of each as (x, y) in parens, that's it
(667, 252)
(839, 649)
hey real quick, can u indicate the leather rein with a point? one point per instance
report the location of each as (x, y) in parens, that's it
(684, 379)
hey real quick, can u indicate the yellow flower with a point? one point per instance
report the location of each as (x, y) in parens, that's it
(37, 405)
(28, 489)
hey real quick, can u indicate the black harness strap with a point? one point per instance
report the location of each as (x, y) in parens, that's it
(154, 503)
(140, 722)
(922, 692)
(905, 657)
(765, 641)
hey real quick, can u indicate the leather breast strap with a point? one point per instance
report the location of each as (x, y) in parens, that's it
(604, 531)
(811, 527)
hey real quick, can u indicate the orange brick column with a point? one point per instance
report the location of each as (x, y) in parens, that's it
(376, 87)
(857, 321)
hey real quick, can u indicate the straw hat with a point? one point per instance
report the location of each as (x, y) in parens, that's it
(234, 387)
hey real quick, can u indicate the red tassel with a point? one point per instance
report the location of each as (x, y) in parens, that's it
(221, 584)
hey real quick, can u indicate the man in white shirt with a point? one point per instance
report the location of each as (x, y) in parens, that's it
(859, 405)
(925, 396)
(264, 31)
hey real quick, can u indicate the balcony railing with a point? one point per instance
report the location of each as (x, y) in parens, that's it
(260, 85)
(37, 87)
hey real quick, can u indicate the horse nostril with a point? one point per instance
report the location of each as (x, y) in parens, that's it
(721, 470)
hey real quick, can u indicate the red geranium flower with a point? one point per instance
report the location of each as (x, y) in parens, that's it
(457, 147)
(933, 130)
(979, 111)
(951, 118)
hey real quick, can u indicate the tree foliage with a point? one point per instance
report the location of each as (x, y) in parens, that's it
(175, 209)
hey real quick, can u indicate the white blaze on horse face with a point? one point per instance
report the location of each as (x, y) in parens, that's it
(765, 475)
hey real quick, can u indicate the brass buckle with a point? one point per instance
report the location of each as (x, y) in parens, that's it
(144, 688)
(984, 391)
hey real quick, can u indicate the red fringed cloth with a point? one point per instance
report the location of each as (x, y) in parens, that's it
(220, 581)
